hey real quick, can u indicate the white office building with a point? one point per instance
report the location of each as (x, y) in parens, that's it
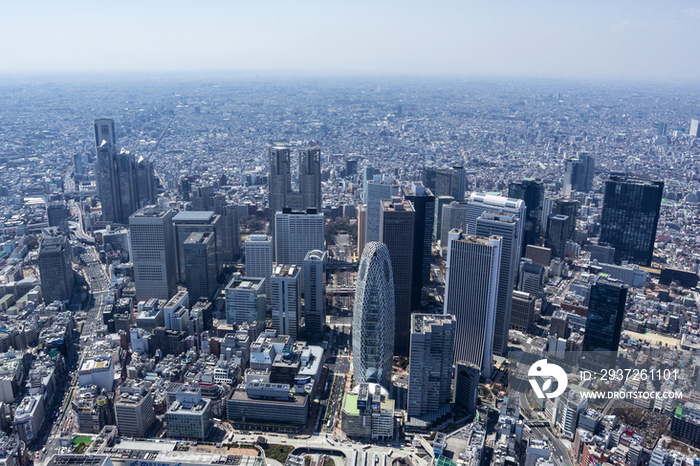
(285, 300)
(258, 258)
(296, 234)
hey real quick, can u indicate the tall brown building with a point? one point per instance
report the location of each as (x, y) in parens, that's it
(396, 228)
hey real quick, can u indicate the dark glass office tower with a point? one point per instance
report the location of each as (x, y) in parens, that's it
(532, 192)
(630, 216)
(424, 205)
(606, 309)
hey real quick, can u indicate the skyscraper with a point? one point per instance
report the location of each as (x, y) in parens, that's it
(56, 269)
(373, 317)
(201, 271)
(205, 198)
(280, 181)
(187, 222)
(479, 203)
(424, 205)
(507, 226)
(430, 373)
(124, 182)
(285, 300)
(153, 253)
(258, 258)
(246, 301)
(471, 294)
(440, 201)
(361, 229)
(315, 293)
(446, 181)
(630, 216)
(454, 215)
(569, 208)
(396, 227)
(558, 231)
(532, 192)
(381, 189)
(367, 176)
(310, 178)
(606, 311)
(578, 173)
(297, 233)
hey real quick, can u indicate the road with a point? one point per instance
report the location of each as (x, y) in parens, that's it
(99, 284)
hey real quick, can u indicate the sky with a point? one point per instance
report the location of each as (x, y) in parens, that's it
(628, 40)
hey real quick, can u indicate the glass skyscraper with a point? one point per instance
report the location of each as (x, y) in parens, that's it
(373, 317)
(630, 216)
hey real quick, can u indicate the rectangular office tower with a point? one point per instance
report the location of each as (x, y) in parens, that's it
(125, 182)
(532, 192)
(315, 293)
(186, 223)
(258, 258)
(382, 188)
(578, 173)
(297, 233)
(558, 233)
(246, 301)
(430, 376)
(310, 178)
(630, 216)
(507, 226)
(153, 253)
(285, 300)
(396, 226)
(201, 272)
(446, 181)
(454, 215)
(606, 311)
(471, 294)
(56, 269)
(423, 203)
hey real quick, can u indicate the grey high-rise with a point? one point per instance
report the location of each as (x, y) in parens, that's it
(471, 294)
(430, 372)
(373, 317)
(310, 178)
(396, 228)
(315, 293)
(382, 188)
(507, 226)
(297, 233)
(446, 181)
(200, 265)
(532, 192)
(281, 194)
(578, 174)
(124, 182)
(153, 252)
(186, 223)
(56, 269)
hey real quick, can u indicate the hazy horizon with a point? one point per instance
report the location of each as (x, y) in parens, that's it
(627, 41)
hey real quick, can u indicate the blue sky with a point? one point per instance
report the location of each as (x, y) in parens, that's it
(553, 39)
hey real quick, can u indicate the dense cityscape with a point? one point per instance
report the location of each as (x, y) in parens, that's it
(349, 272)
